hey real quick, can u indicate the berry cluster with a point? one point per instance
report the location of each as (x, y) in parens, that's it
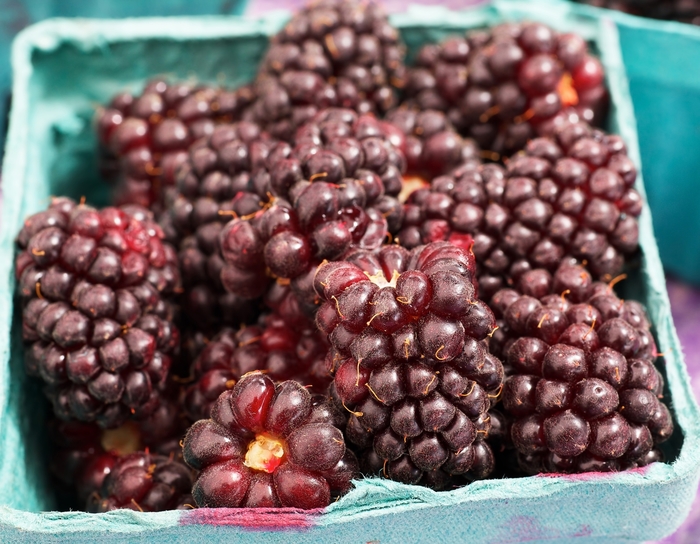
(282, 352)
(144, 139)
(268, 445)
(145, 482)
(314, 277)
(569, 195)
(332, 53)
(507, 85)
(331, 192)
(220, 178)
(409, 360)
(582, 389)
(97, 321)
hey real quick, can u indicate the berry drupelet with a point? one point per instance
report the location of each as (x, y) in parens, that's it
(220, 178)
(432, 147)
(332, 53)
(331, 192)
(273, 347)
(409, 360)
(144, 139)
(507, 85)
(97, 323)
(145, 482)
(571, 195)
(582, 391)
(268, 445)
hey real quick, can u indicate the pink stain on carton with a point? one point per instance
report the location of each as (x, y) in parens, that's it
(253, 519)
(591, 476)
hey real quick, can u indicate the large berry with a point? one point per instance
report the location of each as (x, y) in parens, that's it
(409, 359)
(582, 391)
(507, 85)
(144, 138)
(145, 482)
(571, 196)
(332, 53)
(282, 352)
(331, 192)
(97, 323)
(268, 445)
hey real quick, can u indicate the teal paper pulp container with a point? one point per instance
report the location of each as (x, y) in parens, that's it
(62, 69)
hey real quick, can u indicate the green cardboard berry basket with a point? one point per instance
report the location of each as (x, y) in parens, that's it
(62, 69)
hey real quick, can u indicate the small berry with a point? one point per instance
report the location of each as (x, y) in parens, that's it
(268, 445)
(145, 482)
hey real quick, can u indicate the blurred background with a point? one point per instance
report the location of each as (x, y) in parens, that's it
(665, 91)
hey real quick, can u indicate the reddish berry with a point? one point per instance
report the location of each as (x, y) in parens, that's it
(268, 445)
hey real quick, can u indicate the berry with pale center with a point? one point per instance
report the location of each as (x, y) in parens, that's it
(409, 359)
(268, 445)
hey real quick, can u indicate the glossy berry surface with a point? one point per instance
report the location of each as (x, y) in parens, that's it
(144, 138)
(582, 390)
(97, 321)
(409, 360)
(144, 482)
(568, 196)
(507, 85)
(332, 192)
(282, 352)
(432, 145)
(218, 180)
(340, 53)
(268, 445)
(79, 457)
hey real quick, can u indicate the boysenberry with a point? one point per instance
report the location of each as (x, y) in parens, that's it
(96, 290)
(268, 445)
(409, 359)
(582, 394)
